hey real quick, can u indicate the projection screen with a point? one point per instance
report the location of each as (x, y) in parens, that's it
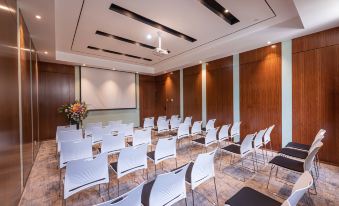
(107, 89)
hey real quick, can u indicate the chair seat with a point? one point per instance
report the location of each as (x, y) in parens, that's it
(294, 153)
(146, 192)
(234, 148)
(151, 155)
(200, 140)
(298, 146)
(114, 166)
(130, 143)
(250, 197)
(288, 163)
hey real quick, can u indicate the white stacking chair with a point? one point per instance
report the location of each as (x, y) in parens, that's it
(130, 160)
(161, 118)
(142, 136)
(223, 133)
(188, 121)
(85, 173)
(243, 150)
(210, 124)
(69, 136)
(165, 149)
(174, 123)
(112, 144)
(201, 171)
(267, 139)
(209, 139)
(235, 131)
(93, 124)
(64, 128)
(183, 131)
(258, 144)
(129, 132)
(149, 122)
(248, 196)
(163, 127)
(196, 128)
(166, 189)
(175, 116)
(114, 125)
(97, 133)
(131, 198)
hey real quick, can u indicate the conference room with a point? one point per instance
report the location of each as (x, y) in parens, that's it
(159, 103)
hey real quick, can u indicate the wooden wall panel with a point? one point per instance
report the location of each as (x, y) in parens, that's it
(147, 97)
(27, 139)
(35, 106)
(219, 90)
(9, 114)
(56, 87)
(315, 90)
(193, 92)
(260, 91)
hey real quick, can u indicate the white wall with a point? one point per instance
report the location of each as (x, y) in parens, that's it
(126, 115)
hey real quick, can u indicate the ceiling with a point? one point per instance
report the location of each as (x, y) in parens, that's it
(89, 32)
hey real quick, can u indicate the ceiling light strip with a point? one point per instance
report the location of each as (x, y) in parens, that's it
(219, 10)
(117, 53)
(149, 22)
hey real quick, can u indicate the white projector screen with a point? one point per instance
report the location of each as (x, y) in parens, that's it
(106, 89)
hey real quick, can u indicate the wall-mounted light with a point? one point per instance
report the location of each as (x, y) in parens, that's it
(38, 17)
(45, 52)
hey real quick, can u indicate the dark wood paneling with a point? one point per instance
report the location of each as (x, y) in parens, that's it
(35, 106)
(193, 92)
(9, 104)
(27, 144)
(147, 97)
(56, 87)
(315, 90)
(260, 91)
(219, 90)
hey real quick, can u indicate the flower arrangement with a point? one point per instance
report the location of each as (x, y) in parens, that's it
(75, 112)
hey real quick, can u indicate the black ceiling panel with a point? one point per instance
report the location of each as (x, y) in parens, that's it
(219, 10)
(117, 53)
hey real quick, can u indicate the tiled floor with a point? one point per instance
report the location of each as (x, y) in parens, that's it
(43, 184)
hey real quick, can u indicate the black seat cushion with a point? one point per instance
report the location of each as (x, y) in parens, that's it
(151, 155)
(130, 143)
(146, 192)
(114, 166)
(200, 140)
(234, 148)
(288, 163)
(250, 197)
(298, 146)
(294, 153)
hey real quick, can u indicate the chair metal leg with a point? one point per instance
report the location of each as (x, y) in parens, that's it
(314, 185)
(176, 163)
(193, 197)
(216, 193)
(155, 170)
(271, 148)
(253, 162)
(263, 156)
(118, 187)
(186, 201)
(109, 197)
(268, 182)
(147, 173)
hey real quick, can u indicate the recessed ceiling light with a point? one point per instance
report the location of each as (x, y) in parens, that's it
(273, 46)
(137, 72)
(45, 52)
(200, 62)
(83, 65)
(149, 36)
(38, 17)
(5, 8)
(226, 11)
(268, 42)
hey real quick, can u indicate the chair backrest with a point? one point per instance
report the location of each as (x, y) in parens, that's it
(69, 136)
(165, 149)
(93, 124)
(211, 136)
(175, 116)
(64, 128)
(175, 122)
(196, 128)
(267, 136)
(246, 145)
(210, 124)
(203, 168)
(131, 198)
(114, 123)
(161, 118)
(311, 155)
(188, 121)
(303, 183)
(258, 139)
(223, 133)
(149, 122)
(129, 130)
(85, 173)
(112, 144)
(235, 129)
(183, 131)
(98, 132)
(142, 136)
(319, 137)
(163, 125)
(169, 188)
(132, 159)
(75, 150)
(122, 128)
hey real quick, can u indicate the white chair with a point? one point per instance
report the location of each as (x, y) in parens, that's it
(166, 189)
(223, 133)
(210, 124)
(85, 173)
(130, 160)
(131, 198)
(64, 128)
(174, 123)
(165, 149)
(93, 124)
(188, 121)
(112, 144)
(267, 139)
(235, 130)
(209, 139)
(201, 171)
(163, 127)
(142, 136)
(196, 128)
(183, 131)
(129, 132)
(97, 133)
(114, 125)
(161, 118)
(250, 197)
(149, 122)
(175, 116)
(257, 144)
(69, 136)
